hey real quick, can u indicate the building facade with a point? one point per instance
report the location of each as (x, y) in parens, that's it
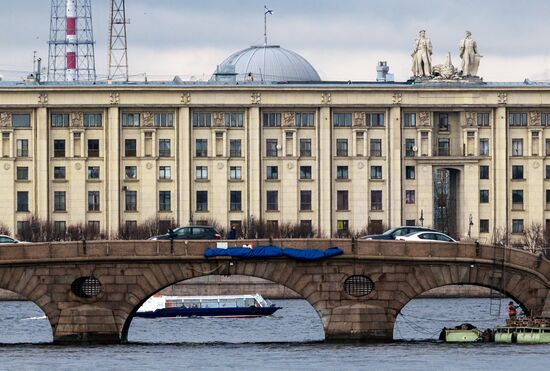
(465, 158)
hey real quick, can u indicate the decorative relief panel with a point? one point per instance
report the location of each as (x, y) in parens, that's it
(148, 119)
(218, 119)
(43, 99)
(76, 119)
(288, 119)
(534, 118)
(424, 119)
(256, 98)
(114, 98)
(397, 98)
(470, 119)
(326, 98)
(5, 119)
(185, 98)
(502, 98)
(359, 119)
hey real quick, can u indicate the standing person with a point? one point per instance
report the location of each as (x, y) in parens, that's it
(422, 55)
(232, 233)
(512, 310)
(469, 55)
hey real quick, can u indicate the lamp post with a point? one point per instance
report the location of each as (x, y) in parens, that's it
(422, 217)
(470, 224)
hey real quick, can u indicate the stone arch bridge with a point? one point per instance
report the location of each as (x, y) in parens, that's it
(129, 272)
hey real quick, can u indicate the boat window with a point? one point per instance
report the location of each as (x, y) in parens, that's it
(228, 303)
(192, 303)
(241, 302)
(210, 304)
(250, 302)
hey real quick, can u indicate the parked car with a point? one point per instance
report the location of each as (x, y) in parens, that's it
(192, 232)
(391, 234)
(426, 236)
(8, 239)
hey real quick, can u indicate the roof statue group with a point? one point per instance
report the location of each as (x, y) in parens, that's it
(422, 68)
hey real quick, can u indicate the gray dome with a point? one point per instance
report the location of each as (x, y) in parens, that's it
(269, 63)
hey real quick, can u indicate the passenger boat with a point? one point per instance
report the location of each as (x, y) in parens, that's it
(223, 306)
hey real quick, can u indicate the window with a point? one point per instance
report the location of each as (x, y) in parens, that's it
(342, 172)
(547, 196)
(165, 202)
(484, 147)
(93, 147)
(202, 200)
(547, 172)
(410, 172)
(164, 119)
(409, 119)
(545, 119)
(234, 119)
(305, 147)
(547, 147)
(165, 172)
(201, 147)
(272, 172)
(483, 119)
(341, 147)
(130, 172)
(341, 120)
(21, 120)
(235, 148)
(517, 118)
(202, 119)
(59, 201)
(93, 172)
(272, 119)
(272, 198)
(306, 225)
(130, 119)
(483, 172)
(93, 120)
(409, 222)
(483, 196)
(342, 227)
(376, 147)
(376, 200)
(305, 200)
(164, 147)
(517, 199)
(93, 225)
(201, 172)
(235, 201)
(374, 119)
(517, 147)
(59, 228)
(305, 172)
(271, 147)
(443, 147)
(93, 201)
(443, 122)
(410, 197)
(130, 148)
(22, 201)
(376, 172)
(59, 148)
(304, 119)
(59, 172)
(483, 225)
(517, 226)
(22, 147)
(517, 172)
(22, 173)
(342, 203)
(235, 172)
(131, 200)
(59, 120)
(409, 147)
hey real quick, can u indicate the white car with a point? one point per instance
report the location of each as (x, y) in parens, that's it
(426, 236)
(8, 239)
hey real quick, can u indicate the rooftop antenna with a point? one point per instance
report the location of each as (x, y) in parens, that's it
(118, 48)
(267, 11)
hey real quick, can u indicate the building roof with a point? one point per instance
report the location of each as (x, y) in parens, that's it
(268, 63)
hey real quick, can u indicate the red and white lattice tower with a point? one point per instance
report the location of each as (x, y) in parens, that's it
(71, 44)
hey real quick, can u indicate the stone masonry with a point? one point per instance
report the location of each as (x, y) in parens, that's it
(129, 272)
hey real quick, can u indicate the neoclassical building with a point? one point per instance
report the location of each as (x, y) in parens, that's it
(266, 139)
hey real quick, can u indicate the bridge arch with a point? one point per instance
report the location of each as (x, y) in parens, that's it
(283, 272)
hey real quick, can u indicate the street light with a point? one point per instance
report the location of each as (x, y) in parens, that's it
(422, 217)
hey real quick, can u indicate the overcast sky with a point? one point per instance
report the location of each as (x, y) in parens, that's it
(342, 39)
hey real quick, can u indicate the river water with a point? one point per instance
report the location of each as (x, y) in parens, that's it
(291, 339)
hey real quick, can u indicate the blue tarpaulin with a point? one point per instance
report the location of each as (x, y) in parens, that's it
(262, 252)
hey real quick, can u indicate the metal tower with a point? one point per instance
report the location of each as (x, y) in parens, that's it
(71, 45)
(118, 48)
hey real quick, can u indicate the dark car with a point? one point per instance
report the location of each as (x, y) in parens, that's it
(391, 234)
(192, 232)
